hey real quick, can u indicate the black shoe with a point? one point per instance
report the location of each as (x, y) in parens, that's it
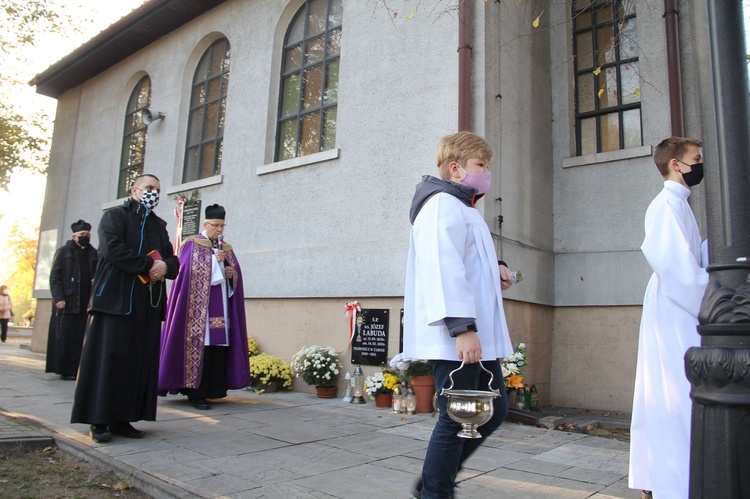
(416, 489)
(126, 429)
(68, 377)
(99, 433)
(200, 403)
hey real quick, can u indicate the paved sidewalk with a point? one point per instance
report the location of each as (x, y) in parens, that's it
(294, 445)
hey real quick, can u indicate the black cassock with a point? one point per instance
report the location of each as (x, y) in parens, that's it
(117, 380)
(70, 280)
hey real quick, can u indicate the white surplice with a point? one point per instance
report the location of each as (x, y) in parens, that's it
(660, 426)
(218, 279)
(452, 271)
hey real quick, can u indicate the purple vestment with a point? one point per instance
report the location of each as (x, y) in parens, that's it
(184, 330)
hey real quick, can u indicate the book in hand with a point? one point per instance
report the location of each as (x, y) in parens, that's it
(155, 255)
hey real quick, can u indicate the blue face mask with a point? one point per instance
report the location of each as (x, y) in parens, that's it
(479, 181)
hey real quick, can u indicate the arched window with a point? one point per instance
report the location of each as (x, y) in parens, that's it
(308, 96)
(208, 106)
(134, 137)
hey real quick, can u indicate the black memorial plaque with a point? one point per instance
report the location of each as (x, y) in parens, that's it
(191, 218)
(370, 342)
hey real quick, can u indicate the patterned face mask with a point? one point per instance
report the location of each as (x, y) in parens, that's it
(150, 199)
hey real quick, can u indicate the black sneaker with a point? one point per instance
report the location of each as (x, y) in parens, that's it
(416, 489)
(99, 433)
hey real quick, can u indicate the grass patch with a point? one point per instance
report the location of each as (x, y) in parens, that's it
(53, 473)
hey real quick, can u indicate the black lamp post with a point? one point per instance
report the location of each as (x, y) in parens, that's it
(719, 370)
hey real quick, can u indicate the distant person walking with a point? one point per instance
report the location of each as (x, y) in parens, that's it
(6, 309)
(70, 283)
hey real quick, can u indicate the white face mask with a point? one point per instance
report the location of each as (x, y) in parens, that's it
(150, 199)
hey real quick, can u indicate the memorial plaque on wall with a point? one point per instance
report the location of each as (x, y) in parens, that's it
(191, 218)
(370, 342)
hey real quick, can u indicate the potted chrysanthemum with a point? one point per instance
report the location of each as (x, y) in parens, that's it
(252, 347)
(269, 374)
(318, 366)
(418, 373)
(380, 386)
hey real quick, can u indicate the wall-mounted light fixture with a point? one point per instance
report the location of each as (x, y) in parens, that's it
(148, 116)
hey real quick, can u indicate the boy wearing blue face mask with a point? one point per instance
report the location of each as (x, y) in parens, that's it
(660, 425)
(453, 309)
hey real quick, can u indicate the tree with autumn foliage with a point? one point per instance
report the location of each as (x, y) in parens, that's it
(24, 132)
(22, 265)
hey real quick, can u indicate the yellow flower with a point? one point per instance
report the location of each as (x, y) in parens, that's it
(265, 369)
(252, 347)
(515, 381)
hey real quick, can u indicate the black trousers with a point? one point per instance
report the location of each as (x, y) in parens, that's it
(214, 378)
(4, 327)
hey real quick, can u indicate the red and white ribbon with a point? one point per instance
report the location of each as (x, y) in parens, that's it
(350, 310)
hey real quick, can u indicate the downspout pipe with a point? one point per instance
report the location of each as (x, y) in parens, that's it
(465, 34)
(676, 110)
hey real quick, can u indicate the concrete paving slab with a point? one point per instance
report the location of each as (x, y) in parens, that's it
(365, 482)
(592, 476)
(618, 490)
(292, 444)
(523, 485)
(595, 458)
(377, 444)
(538, 467)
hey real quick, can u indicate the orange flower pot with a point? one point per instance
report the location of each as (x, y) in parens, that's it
(424, 391)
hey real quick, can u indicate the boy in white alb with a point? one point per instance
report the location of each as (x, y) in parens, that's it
(453, 307)
(660, 427)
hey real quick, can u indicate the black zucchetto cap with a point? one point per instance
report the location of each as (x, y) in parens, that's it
(79, 226)
(215, 212)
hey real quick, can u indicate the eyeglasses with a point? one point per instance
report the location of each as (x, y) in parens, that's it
(216, 226)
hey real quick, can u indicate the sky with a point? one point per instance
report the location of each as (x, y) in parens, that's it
(22, 203)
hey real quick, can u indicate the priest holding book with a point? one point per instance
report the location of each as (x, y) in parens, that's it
(204, 339)
(117, 380)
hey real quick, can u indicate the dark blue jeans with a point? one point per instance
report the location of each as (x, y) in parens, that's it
(446, 451)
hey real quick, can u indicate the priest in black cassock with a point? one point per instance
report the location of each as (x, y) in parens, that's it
(70, 283)
(117, 380)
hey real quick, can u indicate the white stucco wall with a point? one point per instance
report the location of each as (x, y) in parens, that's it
(336, 228)
(514, 104)
(600, 203)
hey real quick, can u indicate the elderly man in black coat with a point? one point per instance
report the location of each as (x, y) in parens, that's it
(70, 283)
(117, 381)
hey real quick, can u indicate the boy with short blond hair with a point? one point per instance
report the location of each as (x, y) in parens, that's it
(660, 426)
(453, 308)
